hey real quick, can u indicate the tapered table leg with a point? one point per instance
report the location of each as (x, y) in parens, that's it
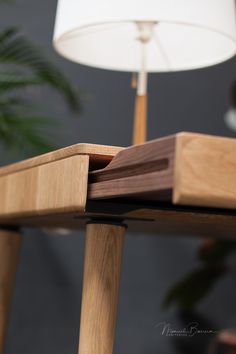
(102, 267)
(9, 251)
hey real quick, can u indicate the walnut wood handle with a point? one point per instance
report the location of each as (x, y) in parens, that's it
(140, 120)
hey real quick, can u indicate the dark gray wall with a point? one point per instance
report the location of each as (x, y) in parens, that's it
(46, 306)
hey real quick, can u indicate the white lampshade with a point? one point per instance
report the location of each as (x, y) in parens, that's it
(188, 34)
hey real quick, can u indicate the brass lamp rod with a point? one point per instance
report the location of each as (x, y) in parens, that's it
(140, 114)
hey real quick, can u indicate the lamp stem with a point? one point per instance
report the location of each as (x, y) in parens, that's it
(140, 114)
(143, 75)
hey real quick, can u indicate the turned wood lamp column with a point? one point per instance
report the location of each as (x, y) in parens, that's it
(141, 104)
(102, 268)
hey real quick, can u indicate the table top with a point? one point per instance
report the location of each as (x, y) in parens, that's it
(100, 156)
(181, 184)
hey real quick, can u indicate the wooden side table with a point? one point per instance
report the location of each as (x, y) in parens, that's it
(182, 184)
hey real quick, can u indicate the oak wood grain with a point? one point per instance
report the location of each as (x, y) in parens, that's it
(60, 186)
(100, 156)
(186, 169)
(102, 265)
(9, 253)
(205, 171)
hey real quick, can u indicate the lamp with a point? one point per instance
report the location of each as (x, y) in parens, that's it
(145, 36)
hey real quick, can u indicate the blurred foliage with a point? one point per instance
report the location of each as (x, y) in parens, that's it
(187, 293)
(23, 65)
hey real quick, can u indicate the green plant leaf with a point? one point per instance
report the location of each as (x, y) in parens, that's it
(7, 33)
(188, 292)
(24, 133)
(218, 252)
(22, 65)
(11, 81)
(16, 49)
